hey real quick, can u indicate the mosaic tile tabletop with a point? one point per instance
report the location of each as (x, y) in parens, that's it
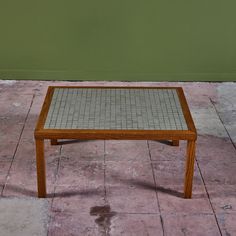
(116, 109)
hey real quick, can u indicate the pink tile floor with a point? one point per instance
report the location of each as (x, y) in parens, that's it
(125, 187)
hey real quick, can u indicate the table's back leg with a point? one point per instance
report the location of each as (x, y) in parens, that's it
(189, 169)
(41, 172)
(175, 142)
(54, 142)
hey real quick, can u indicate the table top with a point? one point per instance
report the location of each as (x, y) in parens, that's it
(115, 109)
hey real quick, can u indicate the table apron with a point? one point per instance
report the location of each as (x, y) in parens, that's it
(120, 136)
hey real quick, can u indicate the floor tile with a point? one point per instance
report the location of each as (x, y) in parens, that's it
(207, 122)
(83, 150)
(136, 225)
(194, 225)
(130, 187)
(212, 149)
(7, 148)
(126, 150)
(172, 201)
(172, 173)
(73, 225)
(130, 199)
(22, 179)
(132, 173)
(218, 173)
(223, 198)
(227, 223)
(164, 151)
(78, 199)
(72, 211)
(23, 217)
(72, 172)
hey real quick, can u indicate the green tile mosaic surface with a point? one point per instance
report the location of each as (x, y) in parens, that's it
(115, 108)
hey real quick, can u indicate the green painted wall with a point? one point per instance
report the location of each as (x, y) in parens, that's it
(153, 40)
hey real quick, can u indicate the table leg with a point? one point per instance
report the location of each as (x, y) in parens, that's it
(41, 172)
(175, 142)
(189, 169)
(54, 142)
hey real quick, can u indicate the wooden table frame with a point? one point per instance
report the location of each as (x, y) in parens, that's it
(89, 134)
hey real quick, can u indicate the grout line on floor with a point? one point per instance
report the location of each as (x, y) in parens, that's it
(158, 214)
(213, 103)
(158, 202)
(208, 196)
(104, 169)
(17, 145)
(57, 173)
(54, 189)
(105, 228)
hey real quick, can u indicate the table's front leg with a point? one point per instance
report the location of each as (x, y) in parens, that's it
(189, 169)
(41, 170)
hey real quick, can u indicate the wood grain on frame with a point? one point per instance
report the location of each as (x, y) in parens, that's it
(44, 109)
(186, 111)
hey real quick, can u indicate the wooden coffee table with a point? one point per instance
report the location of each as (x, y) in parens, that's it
(127, 113)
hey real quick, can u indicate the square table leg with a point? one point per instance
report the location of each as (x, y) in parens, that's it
(189, 169)
(41, 172)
